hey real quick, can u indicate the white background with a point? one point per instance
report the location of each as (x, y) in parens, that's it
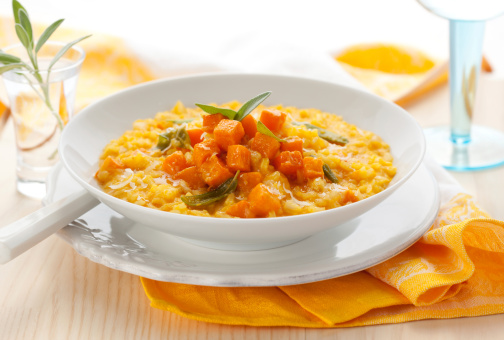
(199, 27)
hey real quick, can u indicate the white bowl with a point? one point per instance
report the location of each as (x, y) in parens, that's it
(87, 134)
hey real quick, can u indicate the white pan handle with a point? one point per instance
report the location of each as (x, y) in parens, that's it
(19, 236)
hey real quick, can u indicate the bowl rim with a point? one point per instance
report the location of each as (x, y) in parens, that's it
(227, 221)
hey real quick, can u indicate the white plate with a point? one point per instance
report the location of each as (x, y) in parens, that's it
(106, 237)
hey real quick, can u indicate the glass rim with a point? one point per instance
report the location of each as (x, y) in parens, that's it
(74, 64)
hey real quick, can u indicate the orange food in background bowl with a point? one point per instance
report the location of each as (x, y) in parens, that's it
(395, 72)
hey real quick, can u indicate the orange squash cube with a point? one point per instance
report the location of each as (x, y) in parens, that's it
(313, 167)
(292, 144)
(214, 172)
(273, 119)
(192, 177)
(174, 163)
(203, 150)
(211, 121)
(247, 181)
(228, 132)
(249, 125)
(289, 162)
(262, 201)
(240, 209)
(196, 135)
(267, 146)
(238, 158)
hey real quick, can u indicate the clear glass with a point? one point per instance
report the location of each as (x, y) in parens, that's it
(38, 119)
(462, 146)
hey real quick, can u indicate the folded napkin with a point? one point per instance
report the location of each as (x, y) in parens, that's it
(456, 269)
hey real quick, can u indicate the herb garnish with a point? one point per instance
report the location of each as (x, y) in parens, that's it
(328, 173)
(213, 195)
(174, 137)
(243, 112)
(265, 131)
(24, 31)
(329, 136)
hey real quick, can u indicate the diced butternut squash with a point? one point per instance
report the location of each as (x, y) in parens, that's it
(267, 146)
(247, 181)
(289, 162)
(238, 158)
(214, 172)
(313, 167)
(196, 135)
(240, 209)
(211, 121)
(273, 119)
(192, 177)
(292, 144)
(174, 163)
(228, 132)
(262, 201)
(249, 125)
(203, 150)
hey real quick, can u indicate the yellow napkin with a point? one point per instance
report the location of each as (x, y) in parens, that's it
(456, 269)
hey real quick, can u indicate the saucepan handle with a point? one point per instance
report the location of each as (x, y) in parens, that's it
(19, 236)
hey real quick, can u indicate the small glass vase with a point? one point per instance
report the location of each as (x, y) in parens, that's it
(40, 112)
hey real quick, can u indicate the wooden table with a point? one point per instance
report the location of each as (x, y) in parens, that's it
(51, 292)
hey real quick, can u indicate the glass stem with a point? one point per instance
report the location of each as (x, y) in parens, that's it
(466, 43)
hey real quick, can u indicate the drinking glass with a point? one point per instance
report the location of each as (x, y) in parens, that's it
(39, 114)
(463, 146)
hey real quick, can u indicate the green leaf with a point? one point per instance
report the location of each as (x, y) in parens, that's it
(16, 7)
(329, 173)
(47, 34)
(23, 36)
(8, 59)
(9, 67)
(175, 137)
(213, 195)
(265, 131)
(251, 105)
(64, 50)
(231, 114)
(329, 136)
(24, 21)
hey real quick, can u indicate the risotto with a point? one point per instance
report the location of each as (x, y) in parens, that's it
(245, 161)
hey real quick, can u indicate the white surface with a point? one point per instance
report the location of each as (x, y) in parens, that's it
(106, 237)
(84, 138)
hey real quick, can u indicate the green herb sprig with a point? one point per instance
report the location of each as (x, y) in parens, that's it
(24, 32)
(329, 136)
(265, 131)
(213, 195)
(243, 112)
(174, 137)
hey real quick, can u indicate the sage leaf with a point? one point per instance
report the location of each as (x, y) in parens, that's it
(231, 114)
(329, 136)
(329, 174)
(214, 195)
(8, 59)
(22, 35)
(175, 137)
(265, 131)
(16, 7)
(64, 50)
(9, 67)
(25, 22)
(251, 105)
(47, 34)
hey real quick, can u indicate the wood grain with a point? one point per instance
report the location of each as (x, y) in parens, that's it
(51, 292)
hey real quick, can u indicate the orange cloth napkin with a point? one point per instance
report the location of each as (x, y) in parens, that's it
(456, 269)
